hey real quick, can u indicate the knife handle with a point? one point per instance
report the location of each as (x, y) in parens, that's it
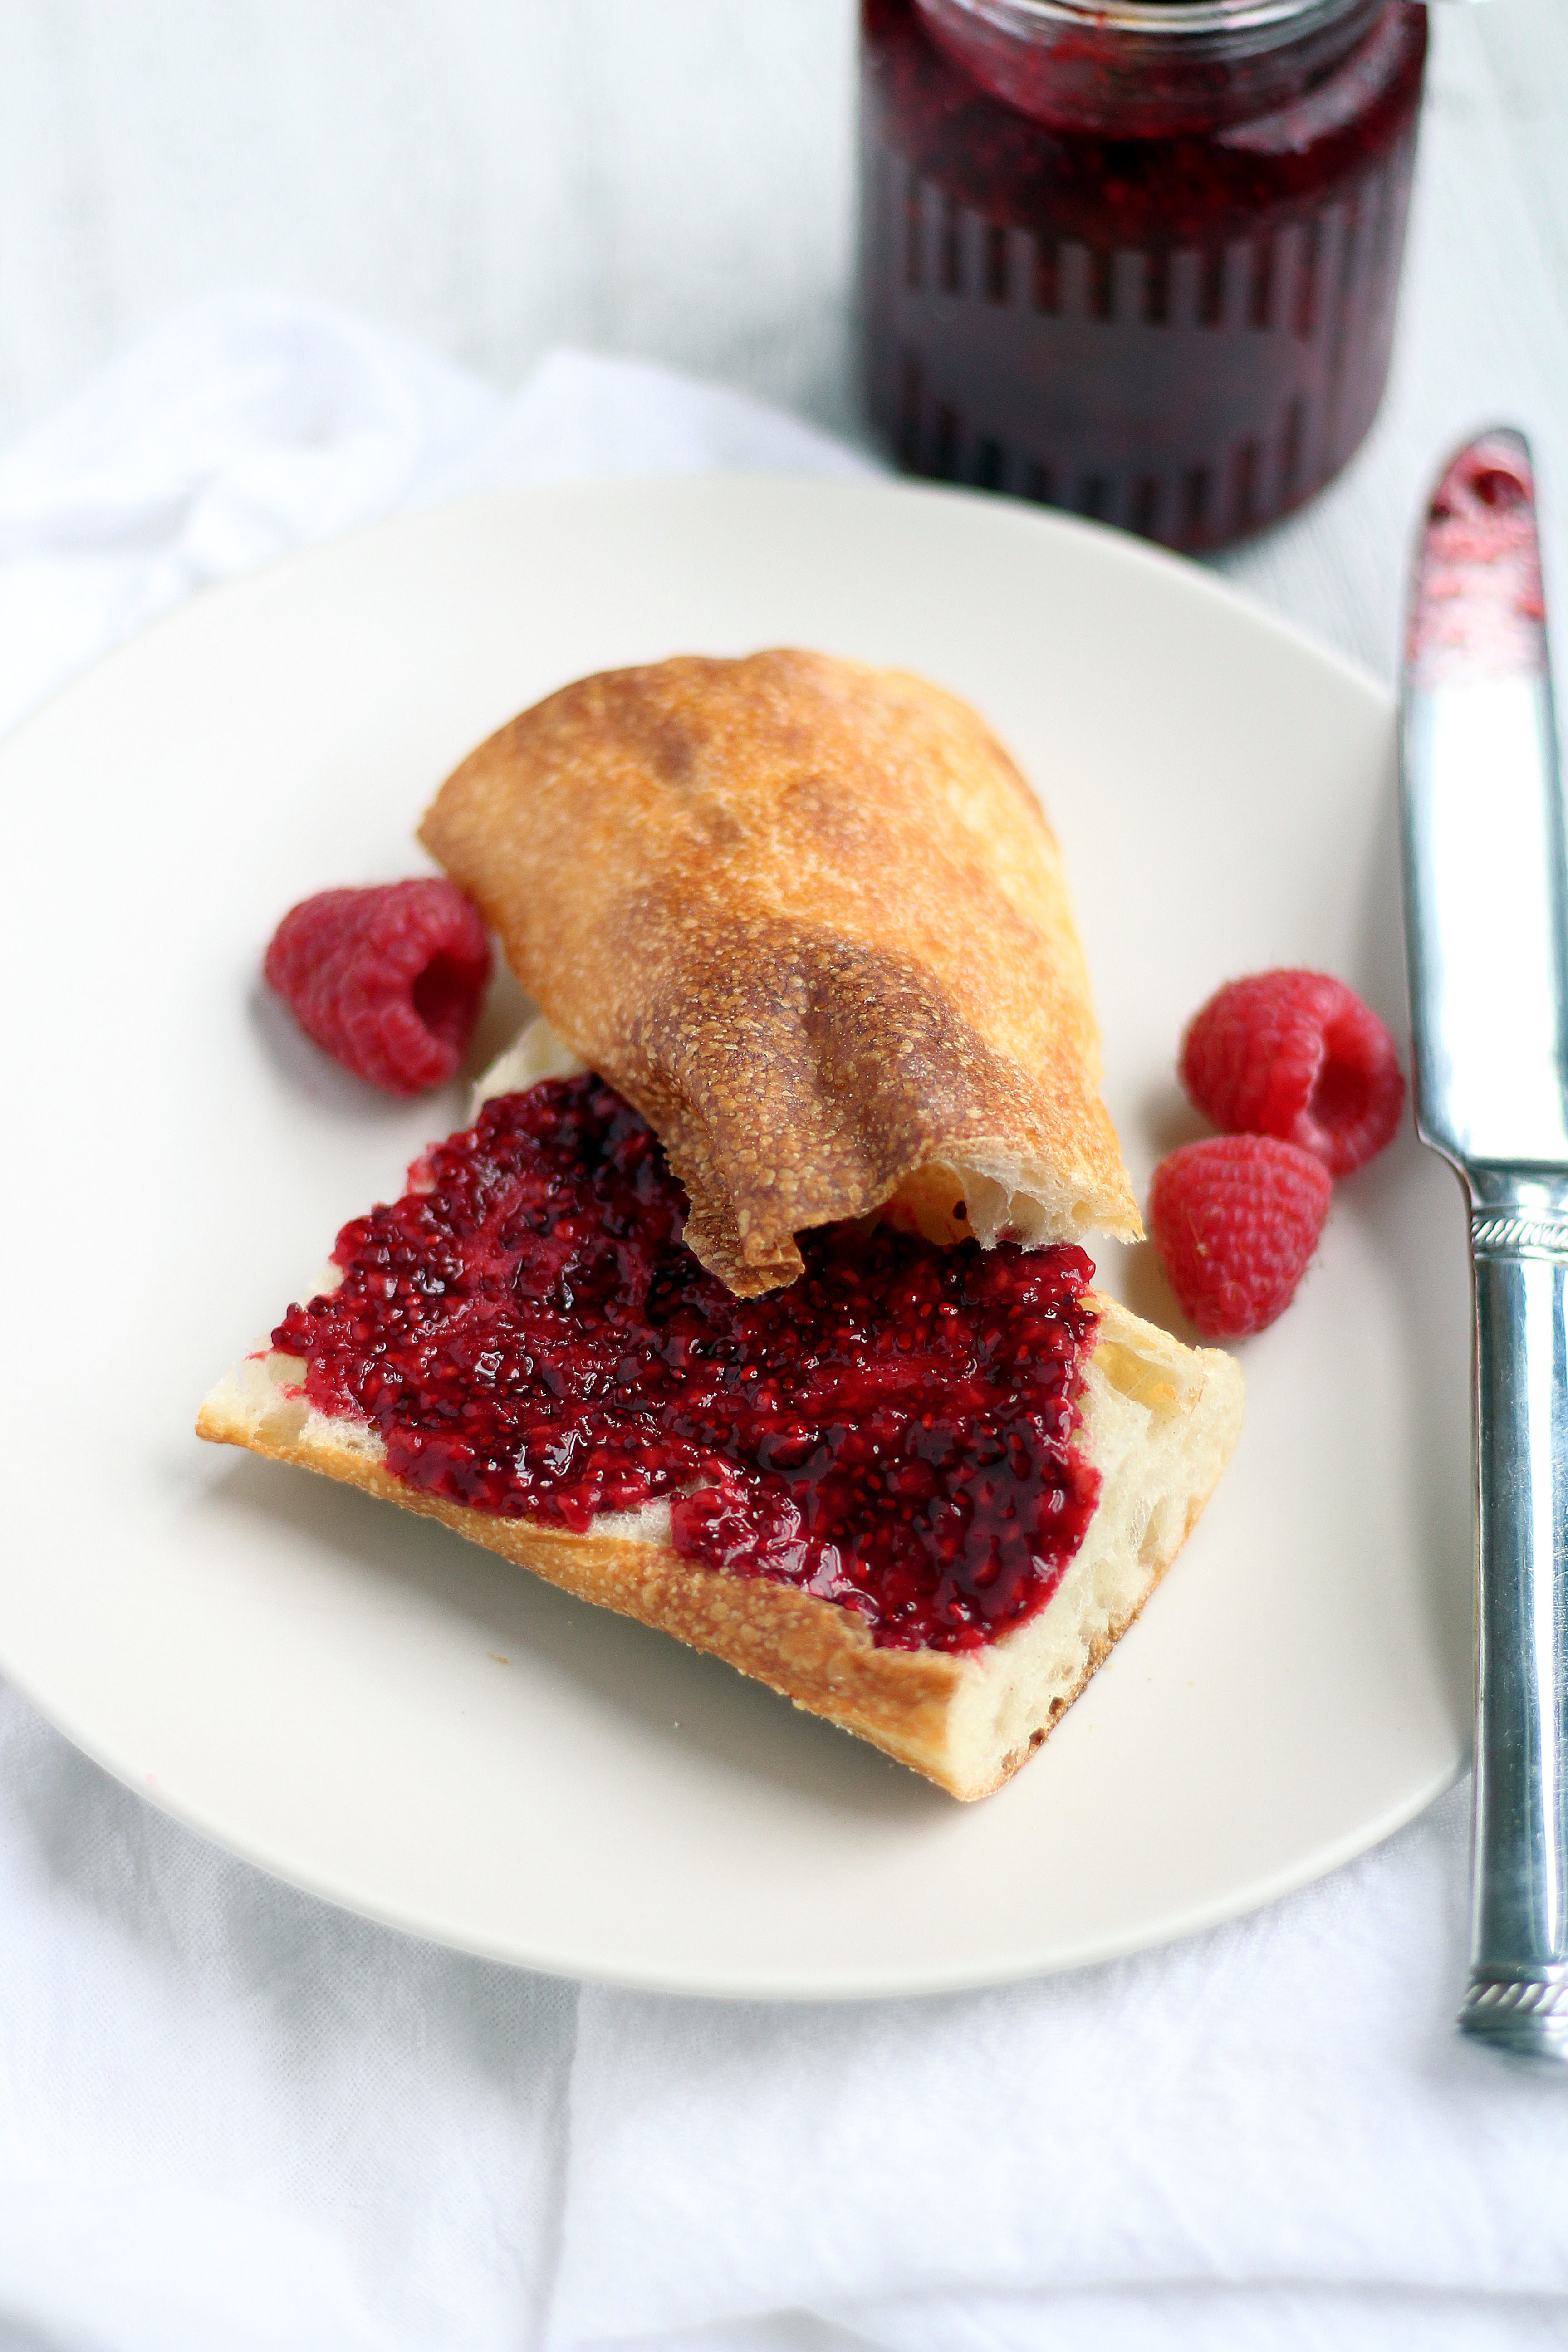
(1518, 1994)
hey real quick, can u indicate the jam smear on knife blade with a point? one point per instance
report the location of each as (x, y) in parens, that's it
(531, 1335)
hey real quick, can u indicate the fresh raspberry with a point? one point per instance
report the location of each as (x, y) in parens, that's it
(387, 980)
(1234, 1220)
(1298, 1055)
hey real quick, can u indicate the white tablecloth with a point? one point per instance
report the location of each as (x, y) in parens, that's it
(230, 2117)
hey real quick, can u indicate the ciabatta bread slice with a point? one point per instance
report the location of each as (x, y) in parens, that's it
(810, 919)
(1158, 1423)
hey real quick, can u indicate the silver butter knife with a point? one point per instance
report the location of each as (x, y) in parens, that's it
(1486, 922)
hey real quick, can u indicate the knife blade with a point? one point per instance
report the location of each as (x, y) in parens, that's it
(1486, 920)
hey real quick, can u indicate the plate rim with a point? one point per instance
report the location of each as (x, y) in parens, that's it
(999, 505)
(913, 1983)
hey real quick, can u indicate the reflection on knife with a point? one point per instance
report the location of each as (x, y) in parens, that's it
(1486, 918)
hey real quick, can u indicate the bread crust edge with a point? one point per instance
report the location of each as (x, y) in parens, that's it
(816, 1652)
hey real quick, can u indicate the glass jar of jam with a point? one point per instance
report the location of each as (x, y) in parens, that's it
(1135, 258)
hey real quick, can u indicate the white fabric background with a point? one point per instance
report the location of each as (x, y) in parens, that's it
(230, 2117)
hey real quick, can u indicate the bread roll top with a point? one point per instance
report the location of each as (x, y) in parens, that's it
(810, 919)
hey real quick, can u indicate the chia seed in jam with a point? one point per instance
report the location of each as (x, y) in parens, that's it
(531, 1335)
(1147, 278)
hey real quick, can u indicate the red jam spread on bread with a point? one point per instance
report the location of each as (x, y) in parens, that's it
(893, 1433)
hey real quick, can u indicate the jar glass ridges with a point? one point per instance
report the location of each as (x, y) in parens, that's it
(1184, 333)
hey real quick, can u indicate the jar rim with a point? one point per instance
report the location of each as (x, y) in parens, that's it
(1165, 19)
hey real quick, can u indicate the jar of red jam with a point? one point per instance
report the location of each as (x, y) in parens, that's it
(1135, 258)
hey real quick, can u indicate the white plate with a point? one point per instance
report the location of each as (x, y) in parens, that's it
(369, 1707)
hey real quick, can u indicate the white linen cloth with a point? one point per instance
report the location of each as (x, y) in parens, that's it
(232, 2119)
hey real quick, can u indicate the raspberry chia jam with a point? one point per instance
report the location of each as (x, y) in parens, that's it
(531, 1335)
(1137, 258)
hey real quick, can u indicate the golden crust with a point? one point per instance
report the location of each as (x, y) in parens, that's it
(811, 1651)
(809, 919)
